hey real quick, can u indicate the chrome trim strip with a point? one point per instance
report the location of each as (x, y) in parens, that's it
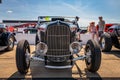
(58, 67)
(57, 55)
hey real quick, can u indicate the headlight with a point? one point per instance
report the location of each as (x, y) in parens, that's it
(41, 48)
(75, 47)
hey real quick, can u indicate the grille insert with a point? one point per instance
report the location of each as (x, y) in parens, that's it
(58, 40)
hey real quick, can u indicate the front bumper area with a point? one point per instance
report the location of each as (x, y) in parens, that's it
(69, 63)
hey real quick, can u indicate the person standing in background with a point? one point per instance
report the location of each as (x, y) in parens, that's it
(101, 26)
(92, 29)
(77, 30)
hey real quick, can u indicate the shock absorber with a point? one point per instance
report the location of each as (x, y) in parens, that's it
(45, 60)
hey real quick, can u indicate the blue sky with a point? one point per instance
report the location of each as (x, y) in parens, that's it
(87, 10)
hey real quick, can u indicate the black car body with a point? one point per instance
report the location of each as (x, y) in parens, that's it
(111, 38)
(7, 39)
(56, 43)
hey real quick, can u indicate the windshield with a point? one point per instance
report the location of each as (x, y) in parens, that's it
(53, 18)
(115, 25)
(45, 20)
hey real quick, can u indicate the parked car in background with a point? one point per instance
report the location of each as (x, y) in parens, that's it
(107, 26)
(110, 38)
(10, 29)
(7, 39)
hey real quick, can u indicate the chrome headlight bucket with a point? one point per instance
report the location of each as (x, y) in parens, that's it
(75, 47)
(41, 48)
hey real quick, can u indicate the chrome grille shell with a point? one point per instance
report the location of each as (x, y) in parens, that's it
(58, 40)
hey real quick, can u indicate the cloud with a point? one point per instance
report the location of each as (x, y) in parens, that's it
(84, 12)
(9, 11)
(87, 14)
(71, 6)
(113, 3)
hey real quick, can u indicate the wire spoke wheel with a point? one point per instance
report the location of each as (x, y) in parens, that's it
(88, 54)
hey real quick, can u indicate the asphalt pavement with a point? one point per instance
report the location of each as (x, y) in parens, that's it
(110, 67)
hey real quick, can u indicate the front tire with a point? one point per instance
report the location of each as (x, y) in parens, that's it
(105, 42)
(22, 56)
(93, 56)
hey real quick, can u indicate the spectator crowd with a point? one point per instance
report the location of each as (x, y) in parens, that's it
(97, 30)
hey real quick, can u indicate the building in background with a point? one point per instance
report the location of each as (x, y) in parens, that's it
(19, 25)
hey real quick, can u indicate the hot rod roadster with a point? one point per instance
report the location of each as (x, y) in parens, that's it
(56, 45)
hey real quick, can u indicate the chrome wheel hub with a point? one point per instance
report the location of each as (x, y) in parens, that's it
(11, 42)
(103, 43)
(27, 56)
(88, 56)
